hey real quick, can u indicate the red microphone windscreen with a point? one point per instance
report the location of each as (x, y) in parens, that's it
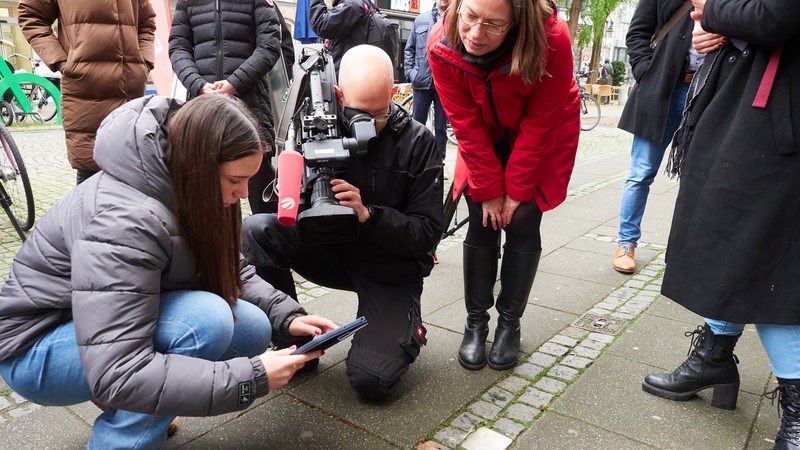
(290, 179)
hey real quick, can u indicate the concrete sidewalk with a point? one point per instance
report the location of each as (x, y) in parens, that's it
(577, 387)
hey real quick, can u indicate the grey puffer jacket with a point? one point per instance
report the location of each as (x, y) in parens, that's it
(103, 255)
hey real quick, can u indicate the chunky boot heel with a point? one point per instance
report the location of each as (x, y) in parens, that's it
(711, 364)
(725, 396)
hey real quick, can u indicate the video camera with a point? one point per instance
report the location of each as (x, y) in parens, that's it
(304, 176)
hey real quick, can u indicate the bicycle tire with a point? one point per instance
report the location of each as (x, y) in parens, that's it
(407, 103)
(49, 109)
(6, 113)
(590, 111)
(14, 177)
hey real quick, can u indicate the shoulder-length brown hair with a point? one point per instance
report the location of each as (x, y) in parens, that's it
(529, 57)
(207, 131)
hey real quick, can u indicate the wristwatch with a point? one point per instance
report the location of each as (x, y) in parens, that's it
(371, 211)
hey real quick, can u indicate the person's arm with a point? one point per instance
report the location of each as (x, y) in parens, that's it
(475, 146)
(762, 22)
(267, 52)
(644, 25)
(337, 22)
(181, 50)
(409, 55)
(36, 18)
(546, 111)
(147, 33)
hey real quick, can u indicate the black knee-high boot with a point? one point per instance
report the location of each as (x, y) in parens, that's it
(516, 280)
(711, 363)
(789, 434)
(480, 274)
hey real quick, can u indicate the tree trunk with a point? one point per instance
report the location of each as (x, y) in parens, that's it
(594, 62)
(574, 14)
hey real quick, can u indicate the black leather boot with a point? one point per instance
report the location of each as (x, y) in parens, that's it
(480, 274)
(516, 280)
(711, 363)
(789, 434)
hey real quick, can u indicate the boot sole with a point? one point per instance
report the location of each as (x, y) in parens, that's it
(724, 396)
(469, 366)
(503, 366)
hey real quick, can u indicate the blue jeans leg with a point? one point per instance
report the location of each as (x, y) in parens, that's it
(782, 343)
(422, 105)
(191, 323)
(723, 328)
(646, 156)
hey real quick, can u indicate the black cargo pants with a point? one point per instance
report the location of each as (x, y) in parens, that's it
(382, 351)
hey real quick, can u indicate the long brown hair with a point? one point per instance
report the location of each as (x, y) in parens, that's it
(207, 131)
(529, 57)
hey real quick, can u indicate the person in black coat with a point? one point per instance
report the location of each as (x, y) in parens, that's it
(653, 110)
(228, 47)
(344, 25)
(734, 247)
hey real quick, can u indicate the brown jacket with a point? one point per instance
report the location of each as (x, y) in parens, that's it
(104, 50)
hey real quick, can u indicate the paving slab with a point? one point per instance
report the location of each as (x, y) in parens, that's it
(609, 396)
(555, 432)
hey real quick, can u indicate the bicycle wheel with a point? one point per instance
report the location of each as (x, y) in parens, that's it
(48, 107)
(15, 180)
(6, 113)
(451, 135)
(590, 112)
(407, 103)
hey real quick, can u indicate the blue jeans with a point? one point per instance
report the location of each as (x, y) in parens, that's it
(192, 323)
(782, 343)
(421, 105)
(646, 156)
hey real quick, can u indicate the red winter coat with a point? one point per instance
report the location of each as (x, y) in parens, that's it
(541, 120)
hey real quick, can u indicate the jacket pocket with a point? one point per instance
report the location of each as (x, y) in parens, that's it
(783, 117)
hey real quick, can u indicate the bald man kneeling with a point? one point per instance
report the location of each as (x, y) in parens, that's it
(396, 192)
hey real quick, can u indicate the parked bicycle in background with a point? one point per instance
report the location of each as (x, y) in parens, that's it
(22, 90)
(16, 195)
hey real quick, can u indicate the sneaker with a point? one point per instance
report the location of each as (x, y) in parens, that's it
(623, 259)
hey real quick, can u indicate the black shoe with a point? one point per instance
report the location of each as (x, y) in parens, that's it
(711, 364)
(789, 434)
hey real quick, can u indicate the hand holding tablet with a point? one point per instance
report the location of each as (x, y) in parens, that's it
(332, 338)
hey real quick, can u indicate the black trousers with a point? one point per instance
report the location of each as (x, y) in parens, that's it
(382, 351)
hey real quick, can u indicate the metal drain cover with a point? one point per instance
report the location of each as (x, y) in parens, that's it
(600, 324)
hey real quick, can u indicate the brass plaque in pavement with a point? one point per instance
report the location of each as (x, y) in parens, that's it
(600, 324)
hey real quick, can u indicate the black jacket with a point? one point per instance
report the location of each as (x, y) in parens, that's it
(657, 72)
(345, 25)
(239, 42)
(401, 177)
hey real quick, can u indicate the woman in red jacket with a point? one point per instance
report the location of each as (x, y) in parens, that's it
(503, 70)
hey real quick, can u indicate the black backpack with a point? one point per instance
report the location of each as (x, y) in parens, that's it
(382, 32)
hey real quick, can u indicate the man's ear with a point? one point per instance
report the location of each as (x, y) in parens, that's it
(339, 94)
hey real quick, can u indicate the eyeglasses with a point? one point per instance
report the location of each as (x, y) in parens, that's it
(468, 19)
(352, 114)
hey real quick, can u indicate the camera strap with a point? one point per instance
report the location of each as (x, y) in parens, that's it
(295, 89)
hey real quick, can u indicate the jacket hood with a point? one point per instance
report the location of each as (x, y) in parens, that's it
(130, 145)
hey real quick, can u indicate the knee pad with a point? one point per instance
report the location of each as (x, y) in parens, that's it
(369, 386)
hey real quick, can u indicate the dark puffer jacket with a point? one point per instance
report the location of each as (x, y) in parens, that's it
(103, 255)
(234, 40)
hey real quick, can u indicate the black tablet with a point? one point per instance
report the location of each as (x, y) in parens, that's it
(331, 338)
